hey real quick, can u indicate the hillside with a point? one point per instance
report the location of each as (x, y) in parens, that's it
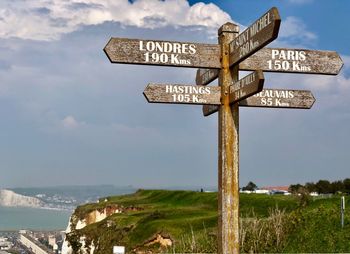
(186, 221)
(12, 199)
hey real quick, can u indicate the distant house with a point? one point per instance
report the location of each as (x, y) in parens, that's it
(273, 190)
(276, 188)
(262, 191)
(270, 190)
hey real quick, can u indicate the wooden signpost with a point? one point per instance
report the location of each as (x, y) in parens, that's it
(246, 87)
(273, 98)
(205, 76)
(256, 36)
(203, 95)
(183, 94)
(163, 53)
(294, 61)
(283, 60)
(224, 60)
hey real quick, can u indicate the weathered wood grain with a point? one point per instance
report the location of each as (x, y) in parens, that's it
(122, 50)
(205, 76)
(209, 109)
(182, 94)
(285, 60)
(228, 146)
(273, 98)
(163, 53)
(280, 98)
(294, 61)
(247, 86)
(259, 34)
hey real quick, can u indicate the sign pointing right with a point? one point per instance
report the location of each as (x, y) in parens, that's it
(247, 86)
(287, 60)
(273, 98)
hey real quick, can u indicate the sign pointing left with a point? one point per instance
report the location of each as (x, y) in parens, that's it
(183, 94)
(203, 95)
(164, 53)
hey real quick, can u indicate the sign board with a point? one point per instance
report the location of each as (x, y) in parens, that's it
(255, 37)
(164, 53)
(283, 60)
(118, 250)
(196, 55)
(182, 94)
(247, 86)
(205, 76)
(273, 98)
(294, 61)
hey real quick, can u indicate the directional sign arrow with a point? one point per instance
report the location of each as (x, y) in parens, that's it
(205, 76)
(164, 53)
(247, 86)
(302, 61)
(273, 98)
(255, 37)
(209, 109)
(134, 51)
(182, 94)
(280, 98)
(294, 61)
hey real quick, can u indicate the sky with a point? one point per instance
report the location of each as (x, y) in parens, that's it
(70, 117)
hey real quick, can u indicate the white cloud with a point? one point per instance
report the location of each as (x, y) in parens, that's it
(70, 123)
(49, 19)
(294, 29)
(293, 33)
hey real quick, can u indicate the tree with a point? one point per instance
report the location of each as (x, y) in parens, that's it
(337, 186)
(311, 187)
(346, 184)
(324, 186)
(294, 188)
(250, 187)
(303, 196)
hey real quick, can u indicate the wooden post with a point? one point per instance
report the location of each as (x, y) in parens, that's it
(228, 199)
(342, 210)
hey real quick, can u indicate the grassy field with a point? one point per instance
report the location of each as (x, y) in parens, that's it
(273, 223)
(317, 228)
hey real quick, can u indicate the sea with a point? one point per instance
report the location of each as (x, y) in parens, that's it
(15, 218)
(60, 203)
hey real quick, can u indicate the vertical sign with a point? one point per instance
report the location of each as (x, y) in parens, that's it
(342, 210)
(228, 194)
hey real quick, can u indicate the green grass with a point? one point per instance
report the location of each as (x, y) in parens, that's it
(260, 204)
(317, 228)
(190, 219)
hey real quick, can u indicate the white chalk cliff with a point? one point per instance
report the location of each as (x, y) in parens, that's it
(93, 217)
(12, 199)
